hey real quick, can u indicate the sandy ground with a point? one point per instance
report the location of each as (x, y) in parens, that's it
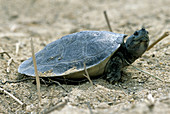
(47, 20)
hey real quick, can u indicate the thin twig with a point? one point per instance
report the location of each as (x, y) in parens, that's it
(156, 34)
(16, 81)
(58, 84)
(87, 75)
(147, 73)
(144, 71)
(8, 64)
(36, 72)
(5, 53)
(17, 47)
(9, 61)
(159, 39)
(12, 96)
(107, 20)
(57, 107)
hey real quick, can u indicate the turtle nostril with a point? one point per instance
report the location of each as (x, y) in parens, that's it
(136, 33)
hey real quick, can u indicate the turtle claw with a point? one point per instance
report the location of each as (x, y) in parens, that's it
(113, 77)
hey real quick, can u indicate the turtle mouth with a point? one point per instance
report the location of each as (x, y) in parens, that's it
(144, 39)
(141, 40)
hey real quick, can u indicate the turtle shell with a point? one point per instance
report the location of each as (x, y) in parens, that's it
(67, 56)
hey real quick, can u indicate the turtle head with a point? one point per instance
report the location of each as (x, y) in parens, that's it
(137, 43)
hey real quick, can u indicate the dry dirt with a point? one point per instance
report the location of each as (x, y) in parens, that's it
(47, 20)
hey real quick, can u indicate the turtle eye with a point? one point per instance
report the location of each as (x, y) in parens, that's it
(136, 33)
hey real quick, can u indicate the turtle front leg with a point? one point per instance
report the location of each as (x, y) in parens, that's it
(113, 69)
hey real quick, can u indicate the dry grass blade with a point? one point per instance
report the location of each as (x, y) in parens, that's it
(12, 96)
(17, 48)
(5, 53)
(107, 20)
(59, 85)
(144, 72)
(87, 75)
(36, 72)
(56, 107)
(8, 64)
(159, 39)
(9, 61)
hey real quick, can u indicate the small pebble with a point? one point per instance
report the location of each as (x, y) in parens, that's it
(167, 53)
(103, 105)
(153, 55)
(29, 108)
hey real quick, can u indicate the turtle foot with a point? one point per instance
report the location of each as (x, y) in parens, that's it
(113, 77)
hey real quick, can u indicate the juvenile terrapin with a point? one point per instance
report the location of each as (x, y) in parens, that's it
(104, 53)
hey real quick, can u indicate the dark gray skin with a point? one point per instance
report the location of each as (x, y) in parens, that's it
(134, 47)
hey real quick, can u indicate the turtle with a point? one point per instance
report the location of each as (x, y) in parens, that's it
(103, 52)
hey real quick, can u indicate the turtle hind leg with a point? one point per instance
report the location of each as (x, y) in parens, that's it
(113, 69)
